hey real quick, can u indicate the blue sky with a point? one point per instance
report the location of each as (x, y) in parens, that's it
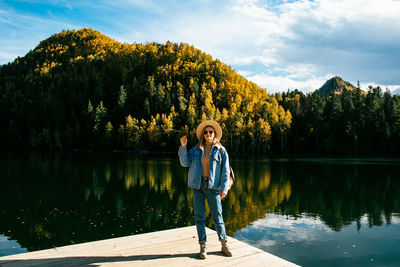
(279, 45)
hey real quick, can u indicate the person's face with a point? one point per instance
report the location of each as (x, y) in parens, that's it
(209, 134)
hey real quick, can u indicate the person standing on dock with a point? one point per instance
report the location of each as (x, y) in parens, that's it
(208, 176)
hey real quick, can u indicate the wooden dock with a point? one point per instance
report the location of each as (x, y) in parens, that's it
(176, 247)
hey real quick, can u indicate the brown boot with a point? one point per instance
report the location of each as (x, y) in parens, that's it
(225, 249)
(203, 252)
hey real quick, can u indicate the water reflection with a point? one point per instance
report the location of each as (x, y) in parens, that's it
(54, 200)
(255, 193)
(57, 200)
(340, 194)
(308, 241)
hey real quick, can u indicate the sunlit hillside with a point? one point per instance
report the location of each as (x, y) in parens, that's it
(81, 89)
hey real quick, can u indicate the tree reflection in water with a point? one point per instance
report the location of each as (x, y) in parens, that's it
(54, 200)
(340, 192)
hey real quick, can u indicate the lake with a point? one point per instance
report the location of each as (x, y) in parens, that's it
(311, 211)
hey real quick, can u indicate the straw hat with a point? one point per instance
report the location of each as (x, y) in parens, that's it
(204, 124)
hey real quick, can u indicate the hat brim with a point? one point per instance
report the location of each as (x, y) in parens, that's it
(214, 124)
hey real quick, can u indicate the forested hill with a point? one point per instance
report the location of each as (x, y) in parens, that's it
(83, 90)
(336, 85)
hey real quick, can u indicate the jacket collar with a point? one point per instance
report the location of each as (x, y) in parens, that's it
(215, 145)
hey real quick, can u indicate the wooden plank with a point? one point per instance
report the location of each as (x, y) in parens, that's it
(175, 247)
(187, 254)
(113, 243)
(110, 245)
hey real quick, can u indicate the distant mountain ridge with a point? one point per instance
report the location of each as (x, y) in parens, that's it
(336, 85)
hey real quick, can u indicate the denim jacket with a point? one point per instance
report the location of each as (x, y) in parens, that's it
(219, 167)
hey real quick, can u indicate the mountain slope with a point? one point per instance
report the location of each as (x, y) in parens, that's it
(336, 85)
(82, 89)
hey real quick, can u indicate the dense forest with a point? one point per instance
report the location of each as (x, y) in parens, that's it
(83, 90)
(347, 121)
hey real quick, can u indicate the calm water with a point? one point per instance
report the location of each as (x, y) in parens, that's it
(314, 212)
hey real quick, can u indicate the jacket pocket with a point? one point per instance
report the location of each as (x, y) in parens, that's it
(217, 157)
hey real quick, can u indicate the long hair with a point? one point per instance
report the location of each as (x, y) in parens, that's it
(201, 141)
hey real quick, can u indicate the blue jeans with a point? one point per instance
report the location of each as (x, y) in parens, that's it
(214, 203)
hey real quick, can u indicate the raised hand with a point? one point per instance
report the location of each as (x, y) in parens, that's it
(183, 141)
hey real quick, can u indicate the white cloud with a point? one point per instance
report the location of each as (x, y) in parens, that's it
(280, 221)
(243, 73)
(396, 91)
(395, 219)
(303, 228)
(275, 84)
(338, 37)
(296, 44)
(392, 88)
(266, 243)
